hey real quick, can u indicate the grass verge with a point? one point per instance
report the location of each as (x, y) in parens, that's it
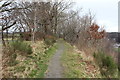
(42, 64)
(33, 65)
(76, 66)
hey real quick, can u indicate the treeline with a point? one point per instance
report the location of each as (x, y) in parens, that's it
(52, 20)
(47, 18)
(34, 20)
(40, 20)
(44, 17)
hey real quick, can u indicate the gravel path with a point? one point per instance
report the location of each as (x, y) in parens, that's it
(55, 68)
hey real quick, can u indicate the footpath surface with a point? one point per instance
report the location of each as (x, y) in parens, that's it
(55, 69)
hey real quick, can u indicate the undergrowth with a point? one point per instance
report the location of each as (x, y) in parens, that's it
(76, 66)
(108, 67)
(31, 65)
(42, 64)
(21, 46)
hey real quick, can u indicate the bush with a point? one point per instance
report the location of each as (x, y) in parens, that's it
(50, 41)
(13, 63)
(21, 46)
(107, 65)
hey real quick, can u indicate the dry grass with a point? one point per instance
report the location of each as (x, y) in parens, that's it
(28, 66)
(23, 65)
(79, 65)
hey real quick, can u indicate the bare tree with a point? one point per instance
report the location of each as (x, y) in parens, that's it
(10, 16)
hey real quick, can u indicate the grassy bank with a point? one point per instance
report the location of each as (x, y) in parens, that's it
(78, 66)
(42, 62)
(33, 65)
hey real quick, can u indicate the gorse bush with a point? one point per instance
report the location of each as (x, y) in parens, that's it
(21, 46)
(50, 41)
(107, 65)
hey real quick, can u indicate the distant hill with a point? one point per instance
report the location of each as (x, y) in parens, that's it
(114, 36)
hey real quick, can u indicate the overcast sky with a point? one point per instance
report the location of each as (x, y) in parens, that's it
(106, 12)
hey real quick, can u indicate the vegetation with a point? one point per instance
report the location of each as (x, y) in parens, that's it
(49, 41)
(21, 46)
(32, 65)
(39, 25)
(43, 63)
(118, 50)
(77, 65)
(108, 67)
(118, 63)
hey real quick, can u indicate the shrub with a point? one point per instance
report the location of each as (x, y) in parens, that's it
(21, 46)
(118, 50)
(13, 63)
(50, 41)
(107, 65)
(20, 68)
(12, 60)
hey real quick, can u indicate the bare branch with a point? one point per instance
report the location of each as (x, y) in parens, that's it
(9, 26)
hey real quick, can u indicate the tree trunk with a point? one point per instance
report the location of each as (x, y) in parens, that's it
(3, 42)
(34, 28)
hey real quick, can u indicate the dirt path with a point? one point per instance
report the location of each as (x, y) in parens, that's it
(55, 68)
